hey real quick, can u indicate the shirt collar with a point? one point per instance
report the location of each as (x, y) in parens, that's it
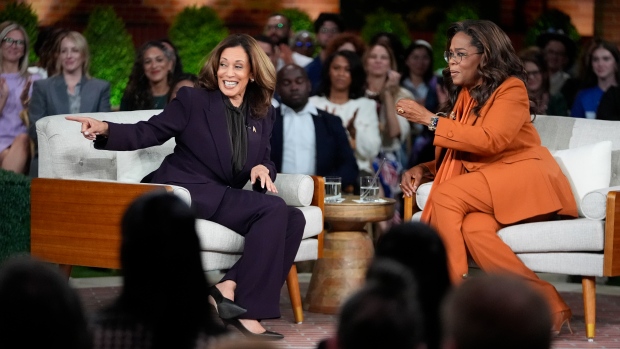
(309, 108)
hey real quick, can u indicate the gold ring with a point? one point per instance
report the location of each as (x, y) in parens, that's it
(400, 110)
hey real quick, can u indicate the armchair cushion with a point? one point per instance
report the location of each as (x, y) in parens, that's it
(132, 166)
(587, 168)
(594, 203)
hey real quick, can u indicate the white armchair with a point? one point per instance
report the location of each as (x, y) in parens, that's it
(589, 245)
(77, 204)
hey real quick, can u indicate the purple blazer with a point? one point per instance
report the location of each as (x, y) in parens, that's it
(202, 157)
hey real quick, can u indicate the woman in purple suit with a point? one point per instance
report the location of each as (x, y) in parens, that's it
(222, 131)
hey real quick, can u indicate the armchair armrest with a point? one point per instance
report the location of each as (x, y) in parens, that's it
(611, 260)
(318, 199)
(77, 222)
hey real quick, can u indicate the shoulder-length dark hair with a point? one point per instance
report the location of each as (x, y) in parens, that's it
(590, 78)
(138, 95)
(499, 60)
(428, 74)
(356, 69)
(259, 92)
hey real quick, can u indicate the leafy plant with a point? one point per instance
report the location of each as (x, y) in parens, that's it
(384, 21)
(14, 214)
(111, 48)
(300, 20)
(195, 31)
(455, 14)
(22, 13)
(554, 20)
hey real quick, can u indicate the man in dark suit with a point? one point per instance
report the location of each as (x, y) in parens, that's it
(305, 139)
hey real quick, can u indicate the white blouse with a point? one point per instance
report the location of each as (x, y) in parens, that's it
(367, 136)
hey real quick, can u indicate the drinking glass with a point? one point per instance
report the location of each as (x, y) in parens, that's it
(333, 189)
(369, 188)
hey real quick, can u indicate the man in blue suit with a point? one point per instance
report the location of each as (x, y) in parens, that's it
(305, 139)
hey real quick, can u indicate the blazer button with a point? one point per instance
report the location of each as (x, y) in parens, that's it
(450, 134)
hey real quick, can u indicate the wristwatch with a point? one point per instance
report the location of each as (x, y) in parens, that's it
(433, 124)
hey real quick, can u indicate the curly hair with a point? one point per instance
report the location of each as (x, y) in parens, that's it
(138, 95)
(499, 61)
(344, 38)
(356, 69)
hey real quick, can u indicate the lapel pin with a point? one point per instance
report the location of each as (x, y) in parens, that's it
(253, 129)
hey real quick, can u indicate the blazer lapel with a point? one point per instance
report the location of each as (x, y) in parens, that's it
(87, 97)
(60, 95)
(216, 118)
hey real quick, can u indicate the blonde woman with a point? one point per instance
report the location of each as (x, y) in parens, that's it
(15, 82)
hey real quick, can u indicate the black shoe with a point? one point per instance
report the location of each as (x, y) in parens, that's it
(226, 308)
(265, 336)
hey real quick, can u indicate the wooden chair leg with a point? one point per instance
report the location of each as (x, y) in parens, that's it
(65, 270)
(588, 285)
(292, 283)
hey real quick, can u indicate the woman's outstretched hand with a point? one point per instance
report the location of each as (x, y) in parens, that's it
(411, 180)
(261, 173)
(413, 111)
(91, 128)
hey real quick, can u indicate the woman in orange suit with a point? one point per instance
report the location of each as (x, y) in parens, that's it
(490, 169)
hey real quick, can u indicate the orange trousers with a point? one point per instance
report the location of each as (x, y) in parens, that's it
(463, 216)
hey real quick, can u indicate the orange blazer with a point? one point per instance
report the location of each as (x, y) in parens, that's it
(502, 144)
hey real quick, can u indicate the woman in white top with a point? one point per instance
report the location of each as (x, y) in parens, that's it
(342, 93)
(383, 85)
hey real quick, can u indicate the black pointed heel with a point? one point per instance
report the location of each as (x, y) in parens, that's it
(265, 336)
(226, 308)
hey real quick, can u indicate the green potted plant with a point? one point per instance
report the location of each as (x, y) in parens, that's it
(22, 13)
(195, 31)
(111, 49)
(14, 214)
(552, 20)
(384, 21)
(300, 20)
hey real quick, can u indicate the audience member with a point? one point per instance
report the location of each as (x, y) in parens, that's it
(278, 30)
(72, 91)
(492, 311)
(560, 53)
(307, 140)
(609, 108)
(150, 82)
(419, 248)
(303, 43)
(543, 102)
(222, 131)
(392, 41)
(39, 309)
(15, 91)
(384, 313)
(326, 27)
(346, 42)
(485, 145)
(183, 80)
(271, 50)
(177, 65)
(150, 313)
(383, 86)
(47, 49)
(342, 94)
(601, 72)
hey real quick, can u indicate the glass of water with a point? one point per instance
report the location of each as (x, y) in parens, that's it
(369, 188)
(333, 189)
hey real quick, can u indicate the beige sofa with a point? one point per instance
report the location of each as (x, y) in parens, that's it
(82, 193)
(589, 153)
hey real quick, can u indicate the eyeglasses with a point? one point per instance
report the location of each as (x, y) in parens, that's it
(533, 73)
(329, 30)
(10, 41)
(307, 44)
(279, 26)
(458, 57)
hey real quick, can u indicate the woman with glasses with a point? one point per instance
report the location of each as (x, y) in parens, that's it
(537, 84)
(15, 90)
(72, 90)
(491, 170)
(150, 82)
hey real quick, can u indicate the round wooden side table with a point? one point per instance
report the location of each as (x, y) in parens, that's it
(346, 253)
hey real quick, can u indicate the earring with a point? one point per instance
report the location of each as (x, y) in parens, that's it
(251, 80)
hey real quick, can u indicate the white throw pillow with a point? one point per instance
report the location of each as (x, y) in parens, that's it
(588, 168)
